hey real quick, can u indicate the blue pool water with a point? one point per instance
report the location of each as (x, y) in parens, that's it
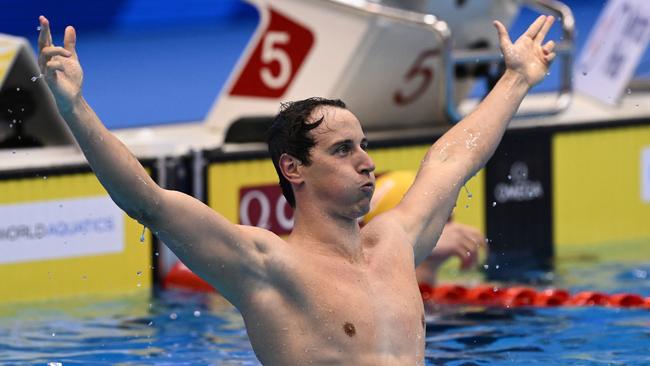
(178, 328)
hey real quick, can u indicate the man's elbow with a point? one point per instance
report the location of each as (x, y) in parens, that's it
(143, 210)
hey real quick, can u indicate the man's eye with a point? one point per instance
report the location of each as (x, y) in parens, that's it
(343, 149)
(364, 146)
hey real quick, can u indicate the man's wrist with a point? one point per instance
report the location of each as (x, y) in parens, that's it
(516, 80)
(71, 106)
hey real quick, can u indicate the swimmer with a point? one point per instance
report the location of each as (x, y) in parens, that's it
(331, 293)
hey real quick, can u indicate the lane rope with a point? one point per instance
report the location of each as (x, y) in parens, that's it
(517, 296)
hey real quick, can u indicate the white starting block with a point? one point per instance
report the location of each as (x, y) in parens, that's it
(25, 103)
(394, 68)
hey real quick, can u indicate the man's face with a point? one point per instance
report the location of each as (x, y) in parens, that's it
(341, 174)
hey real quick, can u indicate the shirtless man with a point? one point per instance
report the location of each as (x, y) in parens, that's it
(331, 293)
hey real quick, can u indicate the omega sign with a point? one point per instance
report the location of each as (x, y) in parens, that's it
(520, 188)
(265, 207)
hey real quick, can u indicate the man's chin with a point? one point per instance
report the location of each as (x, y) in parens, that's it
(364, 208)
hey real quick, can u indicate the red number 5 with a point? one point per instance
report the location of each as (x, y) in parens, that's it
(418, 71)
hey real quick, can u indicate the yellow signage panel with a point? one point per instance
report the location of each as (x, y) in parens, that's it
(597, 186)
(61, 236)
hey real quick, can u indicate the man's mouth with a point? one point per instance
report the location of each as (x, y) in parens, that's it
(368, 187)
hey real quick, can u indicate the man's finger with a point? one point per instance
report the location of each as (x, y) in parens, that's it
(49, 52)
(479, 239)
(548, 47)
(548, 23)
(470, 257)
(549, 58)
(535, 27)
(44, 36)
(70, 39)
(504, 38)
(55, 65)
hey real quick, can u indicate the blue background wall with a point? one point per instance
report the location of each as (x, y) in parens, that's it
(154, 61)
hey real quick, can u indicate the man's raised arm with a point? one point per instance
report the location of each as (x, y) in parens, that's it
(465, 148)
(223, 253)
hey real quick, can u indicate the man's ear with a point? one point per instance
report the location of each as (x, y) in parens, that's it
(289, 165)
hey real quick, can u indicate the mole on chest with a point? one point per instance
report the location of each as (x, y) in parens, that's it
(349, 329)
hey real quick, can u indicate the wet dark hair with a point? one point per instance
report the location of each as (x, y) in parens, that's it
(289, 134)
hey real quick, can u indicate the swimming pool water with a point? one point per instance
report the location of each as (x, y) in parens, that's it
(176, 328)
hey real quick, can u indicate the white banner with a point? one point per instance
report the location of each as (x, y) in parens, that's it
(645, 175)
(60, 229)
(613, 50)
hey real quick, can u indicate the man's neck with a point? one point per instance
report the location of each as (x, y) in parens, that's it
(327, 234)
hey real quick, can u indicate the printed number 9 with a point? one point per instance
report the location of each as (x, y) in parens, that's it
(272, 53)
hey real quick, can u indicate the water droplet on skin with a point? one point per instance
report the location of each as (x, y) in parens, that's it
(197, 313)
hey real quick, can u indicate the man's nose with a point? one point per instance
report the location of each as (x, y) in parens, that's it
(366, 165)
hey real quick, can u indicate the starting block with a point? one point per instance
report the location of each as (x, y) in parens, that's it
(394, 68)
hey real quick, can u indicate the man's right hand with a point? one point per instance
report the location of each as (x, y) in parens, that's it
(60, 65)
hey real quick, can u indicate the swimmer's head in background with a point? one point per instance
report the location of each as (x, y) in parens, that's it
(389, 190)
(289, 134)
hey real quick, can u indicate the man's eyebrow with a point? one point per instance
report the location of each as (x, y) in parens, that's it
(347, 142)
(341, 142)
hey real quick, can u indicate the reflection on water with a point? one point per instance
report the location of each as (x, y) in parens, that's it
(178, 328)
